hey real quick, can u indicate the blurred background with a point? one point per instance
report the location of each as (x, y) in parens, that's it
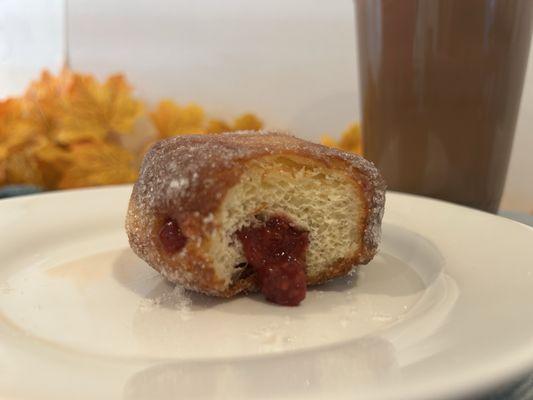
(293, 63)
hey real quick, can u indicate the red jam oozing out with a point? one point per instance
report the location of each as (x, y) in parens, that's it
(171, 236)
(276, 252)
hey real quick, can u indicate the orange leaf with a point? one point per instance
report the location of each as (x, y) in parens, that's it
(327, 140)
(52, 160)
(247, 122)
(22, 168)
(3, 162)
(217, 126)
(19, 141)
(94, 110)
(98, 163)
(350, 140)
(15, 131)
(171, 119)
(43, 102)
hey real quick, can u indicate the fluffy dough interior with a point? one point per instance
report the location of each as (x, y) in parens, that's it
(321, 200)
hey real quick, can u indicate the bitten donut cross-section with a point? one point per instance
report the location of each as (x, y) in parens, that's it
(254, 211)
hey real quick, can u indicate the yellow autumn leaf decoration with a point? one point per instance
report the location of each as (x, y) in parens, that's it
(18, 141)
(63, 132)
(52, 160)
(171, 119)
(94, 110)
(31, 165)
(350, 140)
(43, 102)
(15, 131)
(3, 161)
(98, 163)
(217, 126)
(327, 140)
(247, 122)
(22, 168)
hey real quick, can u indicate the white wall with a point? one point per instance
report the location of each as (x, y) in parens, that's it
(293, 62)
(518, 194)
(31, 36)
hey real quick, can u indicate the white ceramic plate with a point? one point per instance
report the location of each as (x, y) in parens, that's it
(442, 311)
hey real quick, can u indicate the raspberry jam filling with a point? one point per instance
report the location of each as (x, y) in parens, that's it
(171, 236)
(276, 252)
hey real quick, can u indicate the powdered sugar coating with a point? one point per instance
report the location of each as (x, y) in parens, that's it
(187, 177)
(177, 299)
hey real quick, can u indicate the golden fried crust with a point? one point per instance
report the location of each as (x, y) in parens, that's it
(187, 177)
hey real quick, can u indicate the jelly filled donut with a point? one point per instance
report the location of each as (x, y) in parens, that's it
(254, 211)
